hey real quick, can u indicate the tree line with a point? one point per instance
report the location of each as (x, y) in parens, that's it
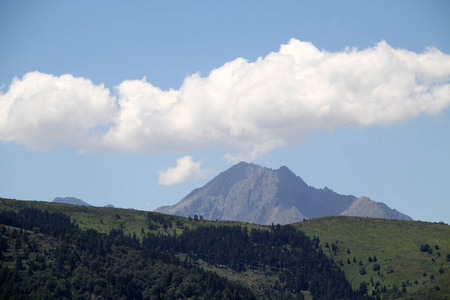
(64, 262)
(299, 261)
(45, 255)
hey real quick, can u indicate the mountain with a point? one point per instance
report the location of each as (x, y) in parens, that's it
(71, 200)
(251, 193)
(365, 207)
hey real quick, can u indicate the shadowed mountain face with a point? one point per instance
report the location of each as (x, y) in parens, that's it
(70, 200)
(251, 193)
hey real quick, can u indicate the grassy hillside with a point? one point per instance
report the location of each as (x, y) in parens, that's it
(397, 248)
(407, 268)
(57, 260)
(131, 221)
(143, 224)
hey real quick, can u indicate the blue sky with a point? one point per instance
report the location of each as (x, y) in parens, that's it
(136, 103)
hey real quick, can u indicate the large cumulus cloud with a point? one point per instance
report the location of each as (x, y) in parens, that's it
(42, 110)
(245, 107)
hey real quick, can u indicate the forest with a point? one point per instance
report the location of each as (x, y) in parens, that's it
(45, 255)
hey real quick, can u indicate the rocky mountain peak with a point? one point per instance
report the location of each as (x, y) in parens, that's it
(251, 193)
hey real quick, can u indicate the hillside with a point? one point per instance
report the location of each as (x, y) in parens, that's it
(260, 258)
(397, 247)
(45, 256)
(277, 262)
(104, 219)
(251, 193)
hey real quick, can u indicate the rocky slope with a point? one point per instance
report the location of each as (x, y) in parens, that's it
(250, 193)
(363, 206)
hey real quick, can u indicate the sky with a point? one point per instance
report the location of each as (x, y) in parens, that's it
(137, 103)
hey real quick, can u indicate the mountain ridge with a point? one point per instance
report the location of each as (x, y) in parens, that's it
(247, 192)
(70, 200)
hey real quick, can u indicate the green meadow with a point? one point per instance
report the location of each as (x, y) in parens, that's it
(354, 242)
(131, 221)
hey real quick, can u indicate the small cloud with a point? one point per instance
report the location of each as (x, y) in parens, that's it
(186, 169)
(258, 150)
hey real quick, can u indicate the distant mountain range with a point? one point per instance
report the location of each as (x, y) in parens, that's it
(71, 200)
(74, 201)
(251, 193)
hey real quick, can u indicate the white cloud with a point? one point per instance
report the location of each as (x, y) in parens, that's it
(186, 169)
(40, 110)
(247, 108)
(279, 99)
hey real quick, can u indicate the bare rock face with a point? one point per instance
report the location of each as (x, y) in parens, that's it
(251, 193)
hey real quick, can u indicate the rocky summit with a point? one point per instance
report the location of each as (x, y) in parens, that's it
(250, 193)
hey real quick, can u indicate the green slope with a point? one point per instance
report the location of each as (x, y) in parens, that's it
(397, 247)
(131, 221)
(60, 261)
(395, 244)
